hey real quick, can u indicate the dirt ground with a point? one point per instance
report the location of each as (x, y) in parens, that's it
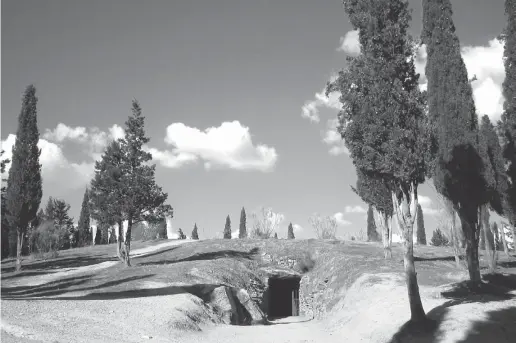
(372, 307)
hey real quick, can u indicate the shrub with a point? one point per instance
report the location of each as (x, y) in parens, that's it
(49, 238)
(324, 227)
(439, 239)
(305, 263)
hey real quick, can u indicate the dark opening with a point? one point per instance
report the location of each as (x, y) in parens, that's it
(283, 297)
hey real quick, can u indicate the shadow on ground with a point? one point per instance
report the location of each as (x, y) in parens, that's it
(62, 286)
(500, 323)
(440, 258)
(208, 256)
(47, 266)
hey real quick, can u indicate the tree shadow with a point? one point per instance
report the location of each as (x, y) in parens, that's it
(61, 287)
(25, 274)
(496, 288)
(441, 258)
(507, 264)
(159, 252)
(500, 326)
(209, 256)
(59, 263)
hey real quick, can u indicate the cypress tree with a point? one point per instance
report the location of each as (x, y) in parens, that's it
(84, 228)
(457, 168)
(382, 116)
(24, 184)
(290, 233)
(195, 233)
(98, 236)
(507, 124)
(420, 233)
(5, 223)
(242, 231)
(227, 228)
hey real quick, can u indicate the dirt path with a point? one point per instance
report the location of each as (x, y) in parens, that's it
(66, 272)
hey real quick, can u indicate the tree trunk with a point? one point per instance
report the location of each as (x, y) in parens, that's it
(455, 241)
(387, 252)
(19, 244)
(469, 228)
(489, 247)
(406, 224)
(514, 238)
(504, 242)
(120, 239)
(127, 242)
(391, 227)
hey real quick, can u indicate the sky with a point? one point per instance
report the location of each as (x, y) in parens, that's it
(231, 91)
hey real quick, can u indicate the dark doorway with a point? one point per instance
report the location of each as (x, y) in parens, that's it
(283, 297)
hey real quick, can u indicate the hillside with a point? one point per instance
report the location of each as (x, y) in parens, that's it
(182, 291)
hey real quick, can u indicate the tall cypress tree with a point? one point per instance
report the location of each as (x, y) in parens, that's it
(420, 233)
(507, 124)
(382, 116)
(5, 223)
(242, 231)
(195, 232)
(84, 221)
(227, 228)
(24, 184)
(290, 233)
(457, 168)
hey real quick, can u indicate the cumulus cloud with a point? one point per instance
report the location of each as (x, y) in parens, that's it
(355, 209)
(339, 217)
(297, 227)
(92, 140)
(334, 140)
(349, 43)
(57, 171)
(226, 146)
(311, 108)
(427, 205)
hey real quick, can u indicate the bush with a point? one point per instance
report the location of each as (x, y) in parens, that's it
(439, 239)
(305, 263)
(48, 238)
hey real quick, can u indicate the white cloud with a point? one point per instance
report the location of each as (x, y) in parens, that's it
(486, 64)
(227, 146)
(297, 227)
(426, 205)
(355, 209)
(339, 217)
(311, 108)
(92, 140)
(235, 234)
(333, 138)
(59, 174)
(350, 44)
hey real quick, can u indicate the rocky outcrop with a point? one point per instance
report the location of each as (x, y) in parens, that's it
(235, 306)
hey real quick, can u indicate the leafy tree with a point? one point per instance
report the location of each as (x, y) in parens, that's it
(84, 228)
(5, 223)
(439, 239)
(181, 234)
(507, 124)
(325, 226)
(195, 233)
(382, 116)
(24, 184)
(457, 167)
(372, 234)
(376, 193)
(227, 228)
(105, 194)
(242, 231)
(290, 233)
(141, 198)
(57, 211)
(129, 185)
(420, 233)
(275, 235)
